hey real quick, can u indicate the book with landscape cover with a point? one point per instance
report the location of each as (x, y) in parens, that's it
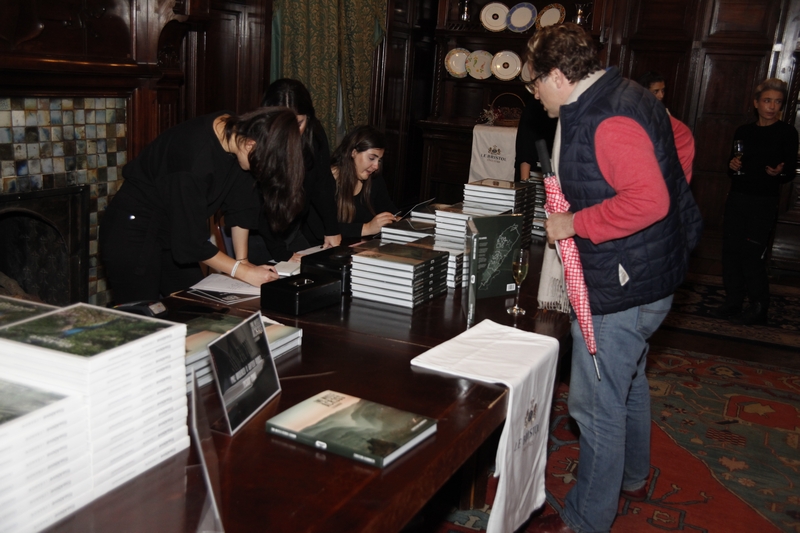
(14, 309)
(360, 429)
(492, 243)
(403, 257)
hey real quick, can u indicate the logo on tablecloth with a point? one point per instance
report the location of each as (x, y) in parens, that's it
(531, 426)
(494, 153)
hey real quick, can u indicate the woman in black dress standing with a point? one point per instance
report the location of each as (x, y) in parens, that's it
(155, 232)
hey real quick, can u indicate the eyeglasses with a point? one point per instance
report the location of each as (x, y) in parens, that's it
(531, 85)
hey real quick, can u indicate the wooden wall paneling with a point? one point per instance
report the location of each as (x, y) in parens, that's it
(256, 58)
(222, 52)
(739, 21)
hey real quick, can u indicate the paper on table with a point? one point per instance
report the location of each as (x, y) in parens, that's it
(312, 250)
(223, 283)
(287, 268)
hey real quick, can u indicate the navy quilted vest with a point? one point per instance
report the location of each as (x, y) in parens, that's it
(656, 258)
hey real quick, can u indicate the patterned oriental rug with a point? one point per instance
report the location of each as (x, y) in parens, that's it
(725, 450)
(696, 300)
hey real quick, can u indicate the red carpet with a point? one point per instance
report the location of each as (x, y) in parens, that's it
(724, 456)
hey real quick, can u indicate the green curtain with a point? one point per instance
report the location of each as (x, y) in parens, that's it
(320, 38)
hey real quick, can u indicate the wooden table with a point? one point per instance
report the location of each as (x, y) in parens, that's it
(274, 485)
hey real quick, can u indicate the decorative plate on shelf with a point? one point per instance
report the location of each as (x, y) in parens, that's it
(549, 15)
(455, 62)
(506, 65)
(521, 17)
(478, 64)
(493, 16)
(525, 73)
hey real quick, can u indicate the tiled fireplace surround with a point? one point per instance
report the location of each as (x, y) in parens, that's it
(52, 143)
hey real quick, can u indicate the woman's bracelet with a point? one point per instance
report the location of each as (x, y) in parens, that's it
(242, 259)
(235, 266)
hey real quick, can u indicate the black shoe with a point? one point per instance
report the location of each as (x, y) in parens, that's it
(754, 314)
(727, 311)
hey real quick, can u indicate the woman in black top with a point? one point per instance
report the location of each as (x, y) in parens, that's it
(769, 160)
(363, 205)
(318, 183)
(155, 231)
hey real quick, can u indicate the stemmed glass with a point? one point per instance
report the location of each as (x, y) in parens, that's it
(738, 152)
(519, 269)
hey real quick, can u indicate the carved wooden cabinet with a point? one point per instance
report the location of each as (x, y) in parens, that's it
(458, 102)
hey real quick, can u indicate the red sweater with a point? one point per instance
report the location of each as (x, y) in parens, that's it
(627, 159)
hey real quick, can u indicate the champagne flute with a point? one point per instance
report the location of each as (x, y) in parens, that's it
(738, 152)
(519, 269)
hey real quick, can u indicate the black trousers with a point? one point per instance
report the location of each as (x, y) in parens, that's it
(136, 266)
(746, 231)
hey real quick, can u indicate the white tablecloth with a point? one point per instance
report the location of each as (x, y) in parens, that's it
(493, 153)
(526, 364)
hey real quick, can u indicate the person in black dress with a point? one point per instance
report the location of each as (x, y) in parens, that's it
(751, 209)
(318, 183)
(363, 204)
(155, 231)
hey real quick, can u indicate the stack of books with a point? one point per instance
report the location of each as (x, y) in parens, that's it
(455, 260)
(128, 370)
(44, 456)
(451, 224)
(399, 274)
(540, 197)
(494, 197)
(407, 230)
(204, 329)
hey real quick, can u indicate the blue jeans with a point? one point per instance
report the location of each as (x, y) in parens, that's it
(613, 414)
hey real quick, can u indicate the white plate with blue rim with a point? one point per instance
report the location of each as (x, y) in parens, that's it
(521, 17)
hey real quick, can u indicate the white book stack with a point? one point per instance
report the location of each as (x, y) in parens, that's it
(494, 197)
(129, 371)
(451, 224)
(44, 456)
(204, 329)
(399, 274)
(407, 230)
(455, 261)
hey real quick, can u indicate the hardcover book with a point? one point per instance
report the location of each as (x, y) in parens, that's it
(360, 429)
(491, 245)
(14, 309)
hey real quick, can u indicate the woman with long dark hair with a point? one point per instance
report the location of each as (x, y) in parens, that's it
(318, 184)
(155, 232)
(363, 205)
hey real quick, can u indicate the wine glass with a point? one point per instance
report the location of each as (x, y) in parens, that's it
(738, 152)
(519, 269)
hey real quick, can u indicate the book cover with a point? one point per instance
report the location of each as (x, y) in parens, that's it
(244, 371)
(491, 243)
(14, 309)
(350, 426)
(83, 330)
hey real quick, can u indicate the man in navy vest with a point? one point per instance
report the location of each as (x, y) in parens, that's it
(624, 167)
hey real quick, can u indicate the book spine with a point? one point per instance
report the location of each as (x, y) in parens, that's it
(338, 449)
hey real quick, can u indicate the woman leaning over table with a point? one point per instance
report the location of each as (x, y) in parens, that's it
(155, 231)
(751, 209)
(318, 184)
(363, 204)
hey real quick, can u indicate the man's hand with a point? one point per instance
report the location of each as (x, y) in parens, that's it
(331, 241)
(735, 164)
(559, 226)
(775, 171)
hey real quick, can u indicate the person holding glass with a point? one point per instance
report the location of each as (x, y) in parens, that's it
(769, 159)
(363, 204)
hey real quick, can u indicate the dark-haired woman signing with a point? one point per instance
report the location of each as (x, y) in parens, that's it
(363, 204)
(155, 231)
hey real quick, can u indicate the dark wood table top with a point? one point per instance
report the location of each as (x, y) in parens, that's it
(276, 485)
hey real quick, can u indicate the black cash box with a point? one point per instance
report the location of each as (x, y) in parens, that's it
(335, 261)
(301, 293)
